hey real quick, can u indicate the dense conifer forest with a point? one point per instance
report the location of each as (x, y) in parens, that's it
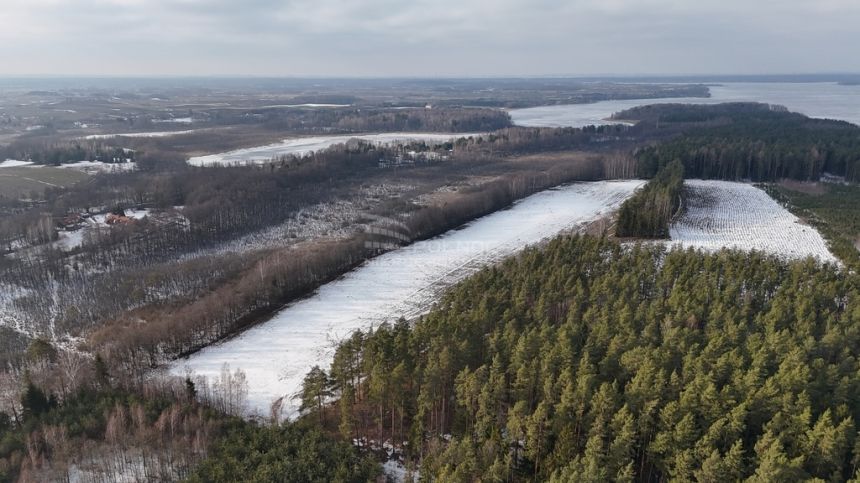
(587, 360)
(647, 214)
(103, 432)
(754, 142)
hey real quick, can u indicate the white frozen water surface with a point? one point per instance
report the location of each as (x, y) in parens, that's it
(307, 145)
(724, 214)
(277, 354)
(821, 100)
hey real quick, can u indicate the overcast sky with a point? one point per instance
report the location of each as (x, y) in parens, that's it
(427, 37)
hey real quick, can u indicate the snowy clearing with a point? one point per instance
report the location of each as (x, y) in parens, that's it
(176, 120)
(85, 166)
(307, 145)
(277, 354)
(724, 214)
(13, 163)
(100, 167)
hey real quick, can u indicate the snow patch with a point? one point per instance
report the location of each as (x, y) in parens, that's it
(396, 472)
(178, 120)
(12, 163)
(100, 167)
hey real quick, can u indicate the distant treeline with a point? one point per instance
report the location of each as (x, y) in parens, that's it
(748, 141)
(49, 148)
(441, 120)
(647, 213)
(522, 140)
(353, 119)
(60, 152)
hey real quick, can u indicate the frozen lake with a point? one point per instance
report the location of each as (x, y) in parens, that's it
(277, 354)
(306, 145)
(821, 99)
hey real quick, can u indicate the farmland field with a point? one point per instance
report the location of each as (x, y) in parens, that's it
(722, 214)
(277, 354)
(20, 181)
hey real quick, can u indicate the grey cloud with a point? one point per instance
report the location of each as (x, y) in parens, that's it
(426, 37)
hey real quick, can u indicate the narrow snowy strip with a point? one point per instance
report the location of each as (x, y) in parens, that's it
(276, 355)
(307, 145)
(100, 167)
(14, 163)
(723, 214)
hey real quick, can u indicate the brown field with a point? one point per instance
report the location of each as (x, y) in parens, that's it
(805, 187)
(21, 181)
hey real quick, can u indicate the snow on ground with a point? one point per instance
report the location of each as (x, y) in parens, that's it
(12, 163)
(134, 214)
(310, 104)
(156, 134)
(93, 167)
(307, 145)
(176, 120)
(69, 240)
(9, 316)
(332, 219)
(395, 471)
(90, 167)
(720, 214)
(277, 354)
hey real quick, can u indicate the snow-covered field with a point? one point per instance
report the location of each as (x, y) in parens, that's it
(93, 167)
(276, 355)
(307, 145)
(722, 214)
(85, 166)
(14, 163)
(176, 120)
